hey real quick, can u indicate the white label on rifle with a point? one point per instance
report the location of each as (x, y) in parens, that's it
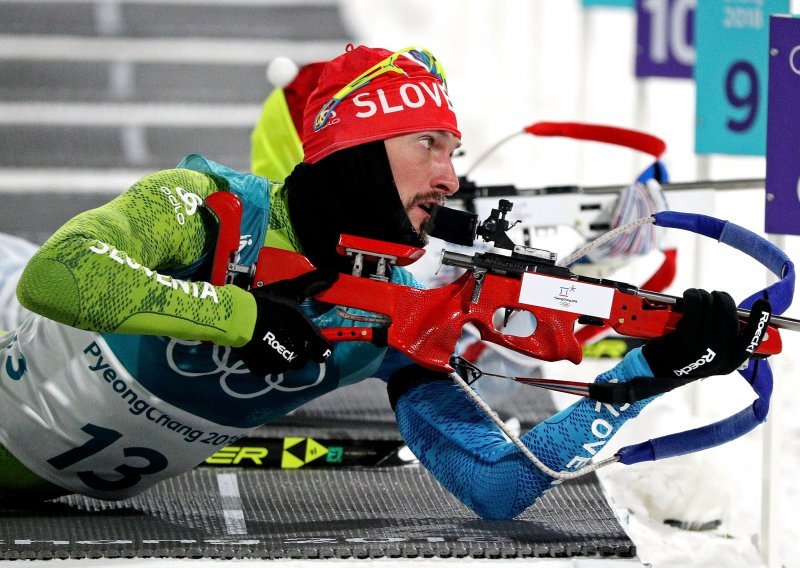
(566, 295)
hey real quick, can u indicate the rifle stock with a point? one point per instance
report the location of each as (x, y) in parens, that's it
(426, 324)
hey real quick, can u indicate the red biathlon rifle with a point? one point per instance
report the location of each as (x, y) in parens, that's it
(590, 215)
(426, 324)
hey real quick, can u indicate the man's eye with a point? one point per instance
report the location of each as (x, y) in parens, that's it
(426, 141)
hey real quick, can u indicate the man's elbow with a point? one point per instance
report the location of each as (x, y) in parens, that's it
(503, 491)
(496, 506)
(496, 510)
(47, 287)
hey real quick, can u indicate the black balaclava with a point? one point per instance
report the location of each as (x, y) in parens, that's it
(351, 191)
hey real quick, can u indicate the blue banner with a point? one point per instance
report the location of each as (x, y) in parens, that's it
(613, 3)
(665, 38)
(731, 43)
(783, 128)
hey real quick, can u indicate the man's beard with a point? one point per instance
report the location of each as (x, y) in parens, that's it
(418, 200)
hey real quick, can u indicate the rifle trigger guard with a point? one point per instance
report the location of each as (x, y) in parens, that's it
(478, 274)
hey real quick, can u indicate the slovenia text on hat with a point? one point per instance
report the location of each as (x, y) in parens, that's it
(397, 97)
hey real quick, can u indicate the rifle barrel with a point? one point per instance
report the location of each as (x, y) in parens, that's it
(720, 185)
(450, 258)
(780, 322)
(498, 191)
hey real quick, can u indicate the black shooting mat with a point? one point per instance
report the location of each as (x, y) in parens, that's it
(346, 513)
(297, 490)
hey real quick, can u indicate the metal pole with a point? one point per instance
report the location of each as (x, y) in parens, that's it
(721, 185)
(769, 537)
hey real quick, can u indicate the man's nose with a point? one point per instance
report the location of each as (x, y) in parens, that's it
(446, 179)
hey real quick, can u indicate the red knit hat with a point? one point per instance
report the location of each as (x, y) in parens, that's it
(369, 94)
(298, 90)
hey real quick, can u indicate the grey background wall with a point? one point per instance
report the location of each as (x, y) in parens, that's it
(95, 93)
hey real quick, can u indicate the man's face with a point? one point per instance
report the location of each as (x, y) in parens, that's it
(422, 166)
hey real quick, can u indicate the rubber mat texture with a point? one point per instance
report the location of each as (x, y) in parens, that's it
(356, 513)
(353, 512)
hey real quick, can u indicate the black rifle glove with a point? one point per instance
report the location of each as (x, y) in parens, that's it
(284, 338)
(707, 340)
